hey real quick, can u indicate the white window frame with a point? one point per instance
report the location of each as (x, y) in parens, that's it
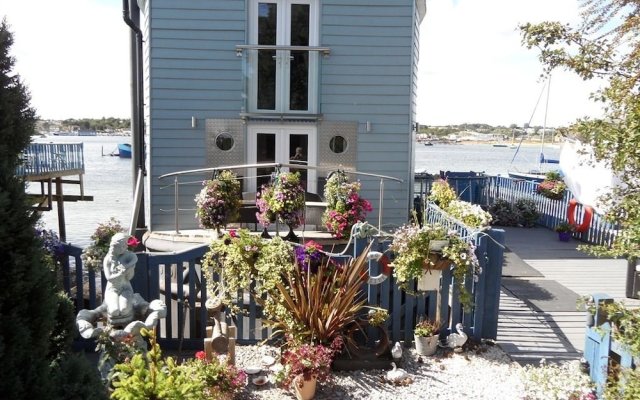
(283, 133)
(283, 38)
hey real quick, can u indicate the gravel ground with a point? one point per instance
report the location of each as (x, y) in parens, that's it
(483, 372)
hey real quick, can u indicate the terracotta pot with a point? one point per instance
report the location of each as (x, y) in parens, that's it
(426, 345)
(304, 390)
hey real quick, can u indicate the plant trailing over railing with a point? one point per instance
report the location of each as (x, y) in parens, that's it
(219, 201)
(413, 247)
(282, 199)
(553, 187)
(242, 259)
(472, 215)
(345, 207)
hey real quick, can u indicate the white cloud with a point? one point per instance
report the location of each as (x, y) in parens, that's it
(473, 67)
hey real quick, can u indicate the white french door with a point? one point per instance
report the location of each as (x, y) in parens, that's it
(280, 144)
(283, 80)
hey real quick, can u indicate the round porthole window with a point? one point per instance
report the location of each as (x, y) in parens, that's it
(224, 141)
(338, 144)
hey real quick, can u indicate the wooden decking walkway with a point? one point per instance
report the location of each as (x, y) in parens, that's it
(538, 316)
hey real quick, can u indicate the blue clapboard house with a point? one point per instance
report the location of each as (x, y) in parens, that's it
(229, 82)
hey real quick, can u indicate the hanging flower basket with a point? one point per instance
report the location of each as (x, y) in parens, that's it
(219, 201)
(345, 207)
(282, 199)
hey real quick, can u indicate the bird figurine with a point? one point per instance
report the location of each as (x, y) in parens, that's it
(457, 340)
(396, 351)
(396, 375)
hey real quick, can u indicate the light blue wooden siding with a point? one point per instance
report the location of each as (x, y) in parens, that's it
(193, 70)
(369, 76)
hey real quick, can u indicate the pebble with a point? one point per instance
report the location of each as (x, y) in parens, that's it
(486, 372)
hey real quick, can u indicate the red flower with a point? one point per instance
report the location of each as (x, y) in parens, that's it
(201, 355)
(233, 233)
(132, 242)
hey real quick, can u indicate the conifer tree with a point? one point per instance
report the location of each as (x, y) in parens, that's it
(27, 290)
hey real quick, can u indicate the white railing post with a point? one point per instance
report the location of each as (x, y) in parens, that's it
(176, 193)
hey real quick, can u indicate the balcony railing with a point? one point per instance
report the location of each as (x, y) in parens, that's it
(281, 81)
(177, 184)
(45, 159)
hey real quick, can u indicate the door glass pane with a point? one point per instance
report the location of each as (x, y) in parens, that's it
(265, 153)
(267, 29)
(299, 60)
(299, 151)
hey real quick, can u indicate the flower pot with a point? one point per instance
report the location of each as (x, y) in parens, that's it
(291, 236)
(430, 280)
(426, 345)
(304, 390)
(564, 236)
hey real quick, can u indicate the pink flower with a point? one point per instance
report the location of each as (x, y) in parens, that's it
(132, 242)
(201, 355)
(233, 233)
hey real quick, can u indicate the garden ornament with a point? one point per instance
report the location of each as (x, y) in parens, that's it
(456, 340)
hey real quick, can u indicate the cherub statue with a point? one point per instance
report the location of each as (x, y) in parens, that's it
(125, 311)
(119, 268)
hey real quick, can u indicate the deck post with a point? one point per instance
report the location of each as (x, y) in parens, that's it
(60, 199)
(493, 278)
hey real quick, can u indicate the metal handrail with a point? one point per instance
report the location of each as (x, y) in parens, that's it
(241, 47)
(176, 184)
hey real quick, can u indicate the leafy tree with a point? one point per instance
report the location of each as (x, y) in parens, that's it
(27, 300)
(606, 45)
(36, 324)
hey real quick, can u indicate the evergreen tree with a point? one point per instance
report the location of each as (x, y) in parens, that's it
(27, 296)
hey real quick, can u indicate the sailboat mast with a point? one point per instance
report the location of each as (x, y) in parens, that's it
(544, 126)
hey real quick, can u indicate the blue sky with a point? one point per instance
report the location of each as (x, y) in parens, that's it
(73, 55)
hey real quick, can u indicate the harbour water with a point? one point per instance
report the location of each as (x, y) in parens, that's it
(108, 179)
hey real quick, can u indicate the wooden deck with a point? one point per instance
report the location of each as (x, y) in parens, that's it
(528, 334)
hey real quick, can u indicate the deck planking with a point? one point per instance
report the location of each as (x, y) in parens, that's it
(528, 335)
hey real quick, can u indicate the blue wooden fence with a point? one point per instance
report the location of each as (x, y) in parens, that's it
(600, 348)
(486, 190)
(176, 278)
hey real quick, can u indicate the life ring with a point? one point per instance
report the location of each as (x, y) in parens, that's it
(586, 219)
(386, 271)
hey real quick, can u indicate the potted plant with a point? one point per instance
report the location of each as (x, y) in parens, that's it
(345, 207)
(305, 366)
(425, 335)
(553, 187)
(283, 199)
(564, 230)
(219, 201)
(216, 378)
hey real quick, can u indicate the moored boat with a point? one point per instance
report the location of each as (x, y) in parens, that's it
(124, 150)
